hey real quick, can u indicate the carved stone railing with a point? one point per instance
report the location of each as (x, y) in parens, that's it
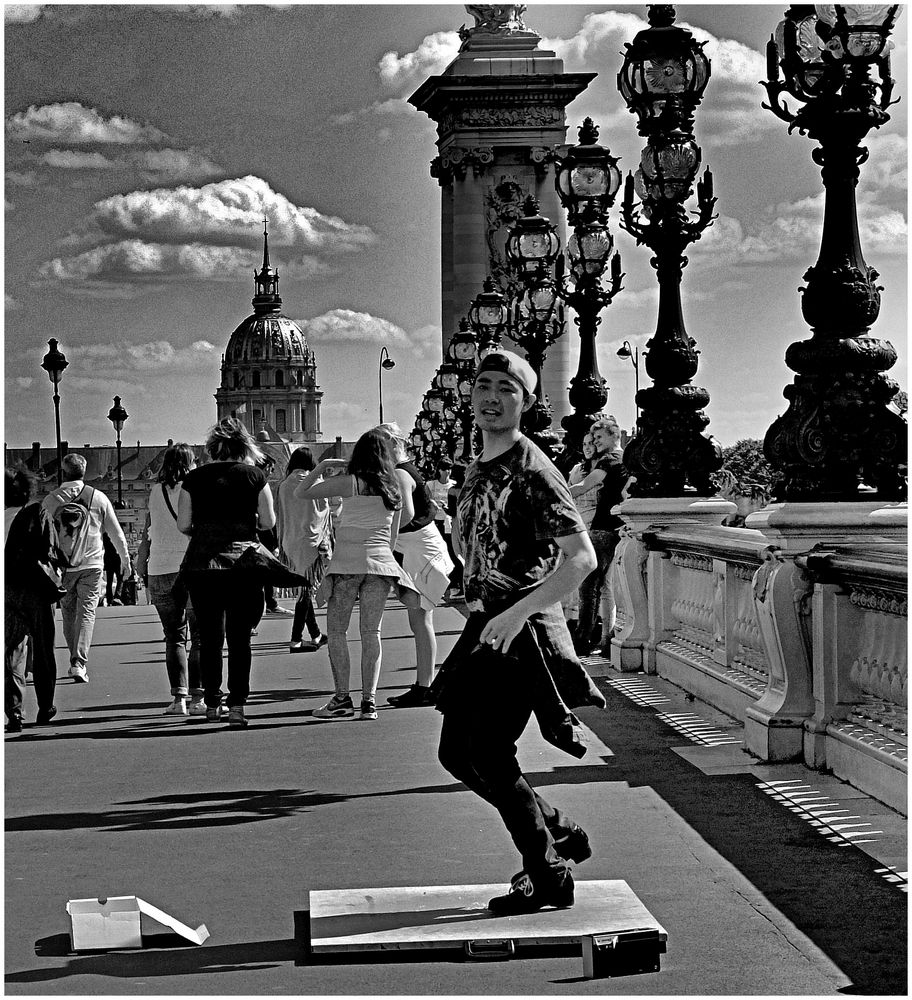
(859, 648)
(808, 650)
(706, 630)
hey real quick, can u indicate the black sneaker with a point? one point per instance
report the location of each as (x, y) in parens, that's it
(527, 896)
(416, 696)
(14, 724)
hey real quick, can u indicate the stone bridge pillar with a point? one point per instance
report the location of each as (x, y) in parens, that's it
(499, 108)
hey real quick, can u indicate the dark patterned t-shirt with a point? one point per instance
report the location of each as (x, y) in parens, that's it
(509, 513)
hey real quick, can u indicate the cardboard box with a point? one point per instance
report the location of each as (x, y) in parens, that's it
(122, 922)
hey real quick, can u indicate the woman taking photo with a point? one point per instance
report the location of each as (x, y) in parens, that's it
(362, 567)
(426, 561)
(608, 474)
(304, 528)
(222, 505)
(167, 590)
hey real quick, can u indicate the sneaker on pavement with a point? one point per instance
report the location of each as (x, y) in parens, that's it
(196, 707)
(79, 674)
(236, 717)
(321, 641)
(527, 895)
(177, 707)
(214, 713)
(44, 716)
(336, 708)
(297, 646)
(368, 711)
(278, 612)
(416, 696)
(14, 724)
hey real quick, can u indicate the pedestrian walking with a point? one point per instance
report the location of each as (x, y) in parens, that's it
(362, 568)
(425, 559)
(81, 516)
(221, 506)
(586, 504)
(439, 488)
(596, 592)
(113, 576)
(305, 533)
(34, 568)
(525, 548)
(167, 588)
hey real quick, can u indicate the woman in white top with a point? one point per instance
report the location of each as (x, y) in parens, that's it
(167, 546)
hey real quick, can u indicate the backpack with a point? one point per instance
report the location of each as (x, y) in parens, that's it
(72, 523)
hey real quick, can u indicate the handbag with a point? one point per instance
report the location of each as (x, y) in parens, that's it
(259, 562)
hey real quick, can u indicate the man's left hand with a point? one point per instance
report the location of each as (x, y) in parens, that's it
(500, 631)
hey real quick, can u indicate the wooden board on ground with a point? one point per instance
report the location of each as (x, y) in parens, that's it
(452, 916)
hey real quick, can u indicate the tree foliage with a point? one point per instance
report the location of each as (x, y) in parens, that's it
(745, 470)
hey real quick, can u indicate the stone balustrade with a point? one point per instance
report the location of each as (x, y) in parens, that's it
(806, 647)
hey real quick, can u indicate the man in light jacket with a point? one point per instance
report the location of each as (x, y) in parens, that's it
(83, 578)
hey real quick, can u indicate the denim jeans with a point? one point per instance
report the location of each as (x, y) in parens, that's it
(178, 619)
(371, 592)
(486, 713)
(78, 610)
(591, 589)
(228, 604)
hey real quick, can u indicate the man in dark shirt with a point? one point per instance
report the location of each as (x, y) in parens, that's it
(524, 548)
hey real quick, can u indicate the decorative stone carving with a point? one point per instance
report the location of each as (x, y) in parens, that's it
(503, 207)
(494, 19)
(884, 601)
(690, 560)
(774, 725)
(454, 162)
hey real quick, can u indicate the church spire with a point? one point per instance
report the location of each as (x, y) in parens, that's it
(266, 296)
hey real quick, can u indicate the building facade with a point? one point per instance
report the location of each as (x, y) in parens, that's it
(269, 372)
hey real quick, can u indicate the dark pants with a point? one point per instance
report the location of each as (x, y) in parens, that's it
(486, 712)
(269, 597)
(228, 605)
(304, 616)
(27, 615)
(590, 590)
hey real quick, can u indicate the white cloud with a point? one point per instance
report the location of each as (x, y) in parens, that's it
(22, 178)
(17, 13)
(22, 13)
(346, 324)
(71, 123)
(24, 383)
(395, 106)
(157, 357)
(228, 212)
(434, 53)
(71, 159)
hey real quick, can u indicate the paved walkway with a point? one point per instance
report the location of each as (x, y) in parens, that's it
(768, 880)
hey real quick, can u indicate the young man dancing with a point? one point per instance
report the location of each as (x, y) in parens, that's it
(524, 547)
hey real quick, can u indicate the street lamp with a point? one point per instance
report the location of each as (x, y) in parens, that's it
(662, 80)
(587, 179)
(633, 353)
(488, 315)
(385, 364)
(54, 363)
(118, 415)
(839, 431)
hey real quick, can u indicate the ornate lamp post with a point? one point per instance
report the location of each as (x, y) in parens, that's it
(838, 431)
(488, 316)
(386, 363)
(662, 80)
(633, 353)
(587, 179)
(54, 364)
(118, 415)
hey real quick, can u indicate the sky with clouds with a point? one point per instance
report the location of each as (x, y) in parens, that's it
(144, 144)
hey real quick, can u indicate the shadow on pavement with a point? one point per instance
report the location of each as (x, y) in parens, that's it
(832, 894)
(135, 964)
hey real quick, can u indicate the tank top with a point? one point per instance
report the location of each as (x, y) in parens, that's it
(421, 497)
(363, 538)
